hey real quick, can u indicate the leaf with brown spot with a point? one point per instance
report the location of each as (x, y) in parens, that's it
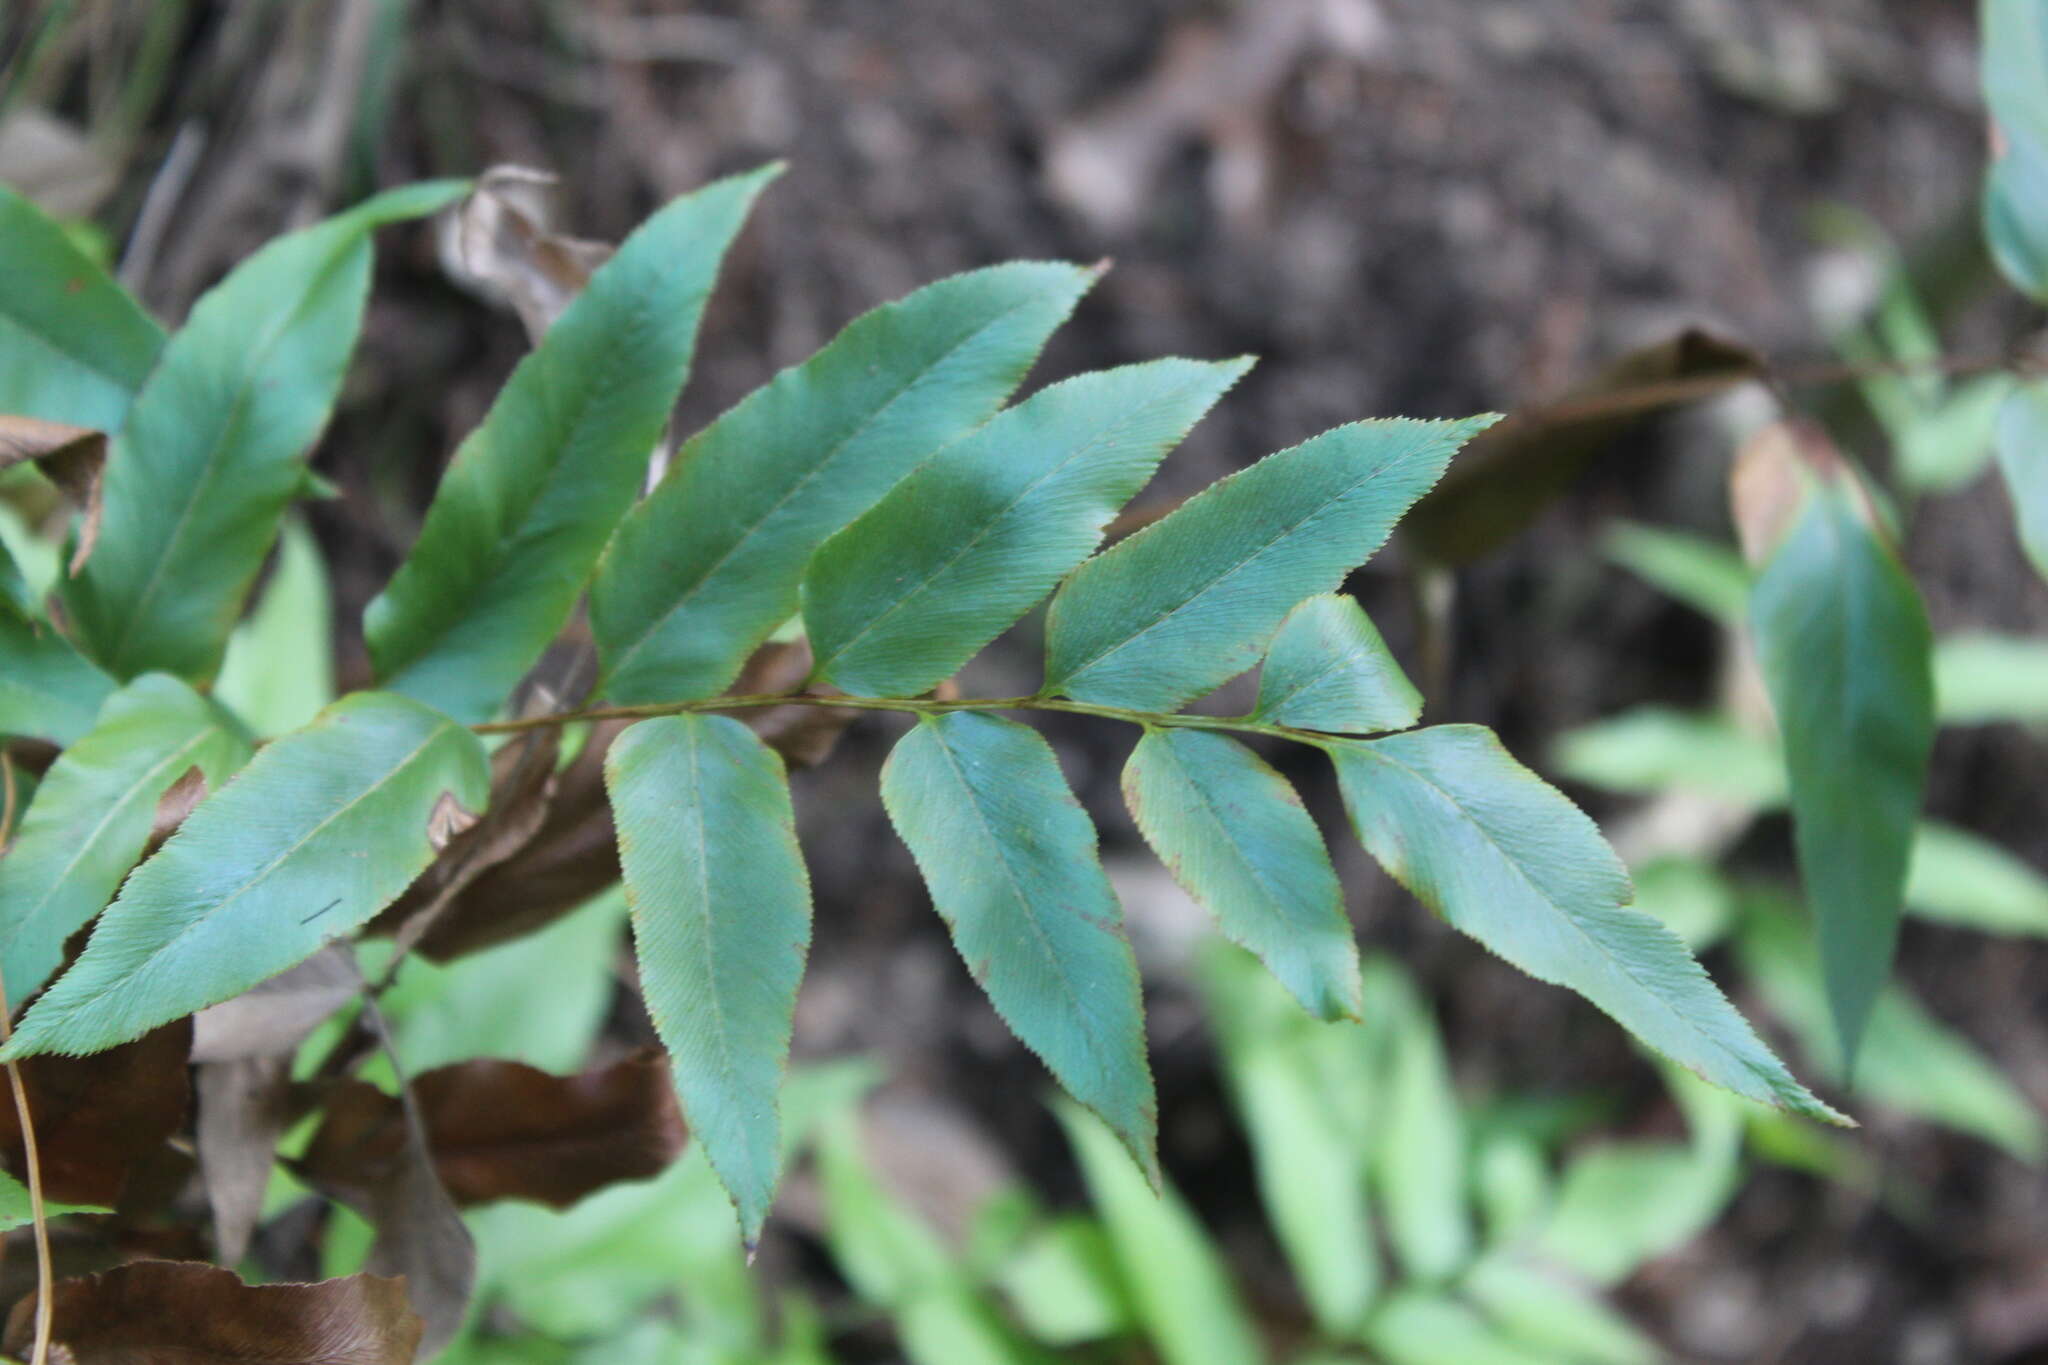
(505, 1130)
(185, 1313)
(73, 458)
(1508, 475)
(100, 1117)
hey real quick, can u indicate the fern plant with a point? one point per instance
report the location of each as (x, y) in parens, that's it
(883, 498)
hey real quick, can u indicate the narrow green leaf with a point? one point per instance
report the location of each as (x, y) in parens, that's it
(1419, 1159)
(1232, 832)
(92, 815)
(1957, 878)
(214, 447)
(1328, 669)
(1486, 844)
(1310, 1169)
(74, 346)
(1179, 1286)
(1986, 679)
(2015, 65)
(1419, 1328)
(1647, 750)
(279, 668)
(1011, 860)
(721, 919)
(529, 499)
(1551, 1313)
(1189, 603)
(322, 830)
(47, 689)
(1844, 647)
(886, 1252)
(15, 597)
(1064, 1285)
(703, 570)
(2021, 437)
(1908, 1060)
(954, 554)
(16, 1209)
(1707, 575)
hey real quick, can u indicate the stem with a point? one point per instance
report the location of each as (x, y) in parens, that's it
(45, 1279)
(922, 706)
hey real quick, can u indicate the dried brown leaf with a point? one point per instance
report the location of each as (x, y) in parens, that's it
(73, 458)
(1511, 472)
(100, 1118)
(497, 243)
(244, 1107)
(273, 1018)
(505, 1130)
(185, 1313)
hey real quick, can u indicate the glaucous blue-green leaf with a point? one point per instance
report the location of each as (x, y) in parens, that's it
(279, 667)
(1310, 1169)
(2016, 186)
(322, 830)
(215, 444)
(92, 815)
(529, 499)
(1233, 832)
(951, 556)
(702, 571)
(1011, 861)
(1507, 859)
(47, 689)
(721, 910)
(1908, 1060)
(1328, 669)
(1957, 878)
(1418, 1156)
(74, 346)
(2022, 442)
(1843, 643)
(1190, 602)
(1179, 1286)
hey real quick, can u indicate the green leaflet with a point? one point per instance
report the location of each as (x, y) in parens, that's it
(1843, 644)
(1957, 878)
(16, 1211)
(74, 346)
(698, 574)
(1552, 1312)
(15, 599)
(1011, 861)
(279, 667)
(1707, 575)
(721, 920)
(1232, 831)
(1282, 1068)
(47, 690)
(1328, 669)
(2022, 441)
(322, 830)
(1419, 1162)
(950, 557)
(1981, 678)
(1505, 858)
(92, 815)
(1416, 1327)
(1180, 1288)
(529, 499)
(2015, 60)
(1187, 604)
(214, 445)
